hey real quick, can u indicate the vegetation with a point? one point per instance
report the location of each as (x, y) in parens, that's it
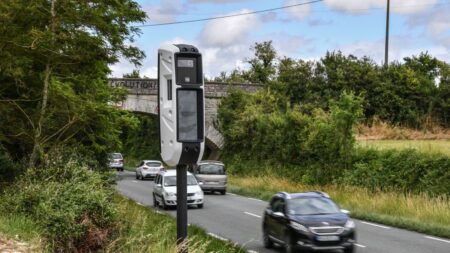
(149, 231)
(422, 146)
(416, 212)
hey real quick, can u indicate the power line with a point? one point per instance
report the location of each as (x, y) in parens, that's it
(397, 7)
(232, 15)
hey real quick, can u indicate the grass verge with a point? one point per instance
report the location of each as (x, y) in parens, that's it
(145, 230)
(419, 213)
(423, 146)
(15, 228)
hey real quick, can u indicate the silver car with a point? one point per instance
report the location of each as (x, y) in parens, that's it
(165, 190)
(148, 169)
(115, 161)
(212, 175)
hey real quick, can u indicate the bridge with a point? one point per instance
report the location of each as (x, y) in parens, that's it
(142, 98)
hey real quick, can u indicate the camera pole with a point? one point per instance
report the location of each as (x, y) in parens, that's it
(182, 208)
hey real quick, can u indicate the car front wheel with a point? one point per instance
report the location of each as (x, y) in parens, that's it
(349, 250)
(155, 203)
(266, 240)
(200, 205)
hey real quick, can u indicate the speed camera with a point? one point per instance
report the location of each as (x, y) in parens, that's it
(181, 104)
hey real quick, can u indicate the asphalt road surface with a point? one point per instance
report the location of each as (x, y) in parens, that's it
(238, 219)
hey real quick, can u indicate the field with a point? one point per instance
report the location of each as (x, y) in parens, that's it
(425, 146)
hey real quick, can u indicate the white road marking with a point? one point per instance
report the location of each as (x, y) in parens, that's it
(437, 239)
(376, 225)
(134, 181)
(218, 237)
(360, 245)
(254, 199)
(252, 214)
(139, 203)
(252, 251)
(231, 194)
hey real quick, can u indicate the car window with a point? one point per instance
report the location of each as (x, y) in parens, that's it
(142, 163)
(311, 206)
(116, 156)
(211, 169)
(158, 179)
(153, 164)
(277, 205)
(172, 180)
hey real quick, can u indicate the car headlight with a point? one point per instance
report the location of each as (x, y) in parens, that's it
(199, 193)
(298, 226)
(350, 224)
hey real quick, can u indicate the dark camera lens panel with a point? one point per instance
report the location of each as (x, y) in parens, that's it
(188, 71)
(187, 115)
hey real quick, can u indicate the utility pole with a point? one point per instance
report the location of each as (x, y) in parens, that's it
(386, 46)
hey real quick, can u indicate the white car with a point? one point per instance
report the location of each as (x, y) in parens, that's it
(148, 169)
(165, 190)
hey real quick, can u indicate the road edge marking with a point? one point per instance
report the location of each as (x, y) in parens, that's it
(360, 245)
(437, 239)
(252, 214)
(217, 237)
(375, 225)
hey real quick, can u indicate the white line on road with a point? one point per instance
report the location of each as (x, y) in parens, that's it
(232, 194)
(252, 214)
(255, 199)
(218, 237)
(139, 203)
(437, 239)
(252, 251)
(360, 245)
(376, 225)
(134, 181)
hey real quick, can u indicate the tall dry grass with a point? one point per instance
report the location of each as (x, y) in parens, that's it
(416, 212)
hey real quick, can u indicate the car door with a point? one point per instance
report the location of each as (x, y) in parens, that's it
(139, 168)
(279, 218)
(270, 216)
(157, 188)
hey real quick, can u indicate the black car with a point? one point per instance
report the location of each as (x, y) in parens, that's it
(308, 220)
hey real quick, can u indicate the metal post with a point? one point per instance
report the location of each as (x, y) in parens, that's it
(182, 208)
(386, 46)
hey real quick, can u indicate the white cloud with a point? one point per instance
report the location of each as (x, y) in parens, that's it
(120, 68)
(165, 10)
(298, 12)
(216, 1)
(397, 6)
(229, 31)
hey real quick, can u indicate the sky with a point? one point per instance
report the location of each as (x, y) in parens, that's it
(304, 32)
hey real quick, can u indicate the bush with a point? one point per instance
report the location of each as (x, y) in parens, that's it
(8, 169)
(72, 205)
(406, 170)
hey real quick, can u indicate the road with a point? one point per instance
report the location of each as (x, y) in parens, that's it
(238, 219)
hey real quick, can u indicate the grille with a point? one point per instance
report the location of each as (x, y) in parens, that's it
(191, 194)
(327, 230)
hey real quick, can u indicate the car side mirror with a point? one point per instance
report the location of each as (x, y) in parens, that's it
(345, 211)
(279, 214)
(158, 185)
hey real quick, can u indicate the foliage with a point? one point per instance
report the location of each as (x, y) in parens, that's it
(70, 203)
(53, 74)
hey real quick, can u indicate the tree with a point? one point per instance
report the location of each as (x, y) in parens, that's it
(262, 65)
(53, 74)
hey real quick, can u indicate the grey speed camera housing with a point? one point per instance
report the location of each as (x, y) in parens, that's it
(181, 104)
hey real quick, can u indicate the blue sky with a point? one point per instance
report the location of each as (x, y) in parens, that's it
(306, 32)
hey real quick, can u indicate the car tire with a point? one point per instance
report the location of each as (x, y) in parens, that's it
(288, 246)
(155, 203)
(349, 249)
(223, 192)
(137, 176)
(200, 206)
(268, 244)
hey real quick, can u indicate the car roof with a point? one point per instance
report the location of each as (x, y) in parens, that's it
(210, 161)
(310, 194)
(171, 173)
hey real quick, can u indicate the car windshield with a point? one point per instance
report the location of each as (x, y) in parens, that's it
(211, 169)
(311, 206)
(172, 180)
(153, 164)
(115, 156)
